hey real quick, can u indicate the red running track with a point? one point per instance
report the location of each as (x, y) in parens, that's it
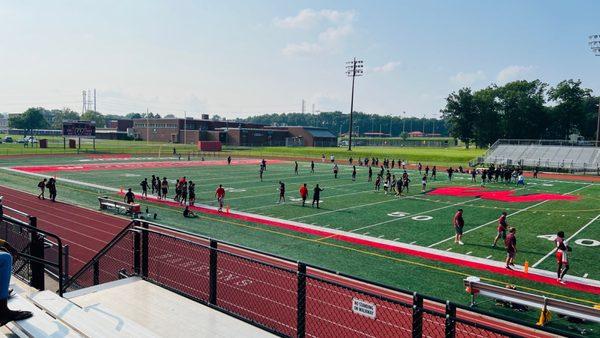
(85, 231)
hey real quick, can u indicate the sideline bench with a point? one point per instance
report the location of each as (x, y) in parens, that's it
(475, 287)
(107, 203)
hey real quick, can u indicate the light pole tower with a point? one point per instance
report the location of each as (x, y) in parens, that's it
(595, 47)
(354, 68)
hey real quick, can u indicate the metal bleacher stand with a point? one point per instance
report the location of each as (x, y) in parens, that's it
(477, 288)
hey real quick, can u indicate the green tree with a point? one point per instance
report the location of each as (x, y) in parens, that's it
(95, 116)
(133, 116)
(486, 129)
(32, 118)
(522, 111)
(460, 113)
(569, 113)
(63, 115)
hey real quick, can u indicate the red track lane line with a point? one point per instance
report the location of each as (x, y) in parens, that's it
(134, 165)
(369, 243)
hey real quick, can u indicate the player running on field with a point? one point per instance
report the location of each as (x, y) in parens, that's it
(434, 173)
(370, 174)
(303, 193)
(42, 186)
(423, 183)
(335, 170)
(220, 195)
(458, 222)
(405, 181)
(281, 192)
(312, 167)
(562, 260)
(511, 247)
(260, 172)
(502, 227)
(378, 183)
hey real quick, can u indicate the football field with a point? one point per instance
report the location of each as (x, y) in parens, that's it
(357, 229)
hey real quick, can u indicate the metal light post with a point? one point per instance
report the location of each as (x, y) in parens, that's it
(354, 68)
(595, 47)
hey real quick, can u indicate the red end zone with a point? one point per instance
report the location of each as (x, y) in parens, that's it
(136, 165)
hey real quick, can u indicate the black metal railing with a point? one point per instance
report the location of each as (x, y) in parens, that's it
(281, 296)
(39, 251)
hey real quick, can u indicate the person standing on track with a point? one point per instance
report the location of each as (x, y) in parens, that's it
(192, 193)
(164, 187)
(129, 197)
(153, 183)
(281, 192)
(561, 256)
(312, 167)
(458, 222)
(296, 167)
(511, 248)
(220, 195)
(144, 185)
(316, 196)
(228, 160)
(502, 227)
(51, 185)
(303, 193)
(42, 186)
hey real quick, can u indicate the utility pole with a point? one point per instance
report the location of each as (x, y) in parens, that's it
(403, 122)
(595, 47)
(147, 128)
(184, 127)
(423, 124)
(302, 106)
(83, 106)
(95, 99)
(354, 68)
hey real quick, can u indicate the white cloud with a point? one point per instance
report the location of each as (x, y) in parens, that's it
(335, 26)
(303, 48)
(388, 67)
(514, 72)
(468, 79)
(308, 18)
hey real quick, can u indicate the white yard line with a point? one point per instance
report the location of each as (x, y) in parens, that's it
(567, 240)
(509, 215)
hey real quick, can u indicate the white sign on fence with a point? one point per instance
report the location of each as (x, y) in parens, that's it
(364, 308)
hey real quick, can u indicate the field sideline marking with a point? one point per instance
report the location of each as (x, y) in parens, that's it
(511, 214)
(568, 239)
(373, 254)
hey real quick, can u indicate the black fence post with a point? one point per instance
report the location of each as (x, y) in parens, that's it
(137, 248)
(145, 245)
(213, 271)
(36, 250)
(96, 272)
(417, 316)
(450, 320)
(301, 302)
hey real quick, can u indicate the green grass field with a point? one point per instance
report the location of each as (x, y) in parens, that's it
(354, 207)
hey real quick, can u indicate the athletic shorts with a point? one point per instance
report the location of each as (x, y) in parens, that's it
(502, 233)
(561, 257)
(458, 230)
(510, 253)
(164, 191)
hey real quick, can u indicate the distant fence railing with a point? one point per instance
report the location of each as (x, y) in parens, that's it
(40, 251)
(281, 296)
(578, 143)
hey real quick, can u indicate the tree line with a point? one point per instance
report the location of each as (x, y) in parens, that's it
(521, 110)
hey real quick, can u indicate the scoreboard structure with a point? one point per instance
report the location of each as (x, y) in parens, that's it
(79, 129)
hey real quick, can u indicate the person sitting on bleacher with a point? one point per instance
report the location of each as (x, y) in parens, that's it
(7, 315)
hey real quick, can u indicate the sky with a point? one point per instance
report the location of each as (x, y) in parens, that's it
(241, 58)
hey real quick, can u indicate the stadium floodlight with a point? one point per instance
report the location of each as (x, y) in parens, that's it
(595, 47)
(354, 68)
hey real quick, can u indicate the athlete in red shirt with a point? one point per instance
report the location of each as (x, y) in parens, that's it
(458, 222)
(220, 195)
(502, 227)
(303, 193)
(510, 242)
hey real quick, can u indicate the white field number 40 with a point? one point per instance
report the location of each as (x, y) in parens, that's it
(581, 241)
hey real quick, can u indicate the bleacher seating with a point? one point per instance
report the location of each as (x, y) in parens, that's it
(545, 155)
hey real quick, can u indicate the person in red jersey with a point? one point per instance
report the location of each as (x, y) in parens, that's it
(502, 227)
(303, 193)
(510, 242)
(562, 260)
(220, 195)
(458, 223)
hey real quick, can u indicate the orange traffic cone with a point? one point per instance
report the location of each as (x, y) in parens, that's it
(227, 208)
(526, 267)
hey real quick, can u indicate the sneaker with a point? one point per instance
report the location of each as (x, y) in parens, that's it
(561, 281)
(461, 243)
(508, 267)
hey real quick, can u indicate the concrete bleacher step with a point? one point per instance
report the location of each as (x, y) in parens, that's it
(92, 321)
(41, 324)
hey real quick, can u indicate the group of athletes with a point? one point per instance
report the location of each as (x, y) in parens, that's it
(508, 235)
(185, 195)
